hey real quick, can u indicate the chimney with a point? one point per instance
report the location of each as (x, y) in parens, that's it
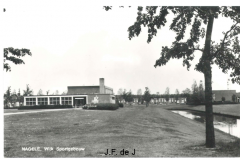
(101, 86)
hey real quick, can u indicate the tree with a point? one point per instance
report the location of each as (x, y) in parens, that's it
(40, 92)
(187, 93)
(47, 92)
(147, 96)
(176, 95)
(20, 97)
(225, 54)
(195, 93)
(7, 97)
(167, 92)
(139, 95)
(56, 93)
(64, 93)
(14, 56)
(201, 92)
(129, 97)
(28, 91)
(124, 95)
(120, 93)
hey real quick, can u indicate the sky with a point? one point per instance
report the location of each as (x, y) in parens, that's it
(75, 44)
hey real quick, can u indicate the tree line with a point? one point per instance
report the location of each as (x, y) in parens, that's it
(11, 97)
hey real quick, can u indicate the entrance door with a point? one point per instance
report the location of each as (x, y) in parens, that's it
(79, 101)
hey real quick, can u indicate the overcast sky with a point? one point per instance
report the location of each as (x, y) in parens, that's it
(73, 44)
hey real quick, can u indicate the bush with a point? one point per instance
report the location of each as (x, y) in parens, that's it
(120, 105)
(101, 106)
(45, 107)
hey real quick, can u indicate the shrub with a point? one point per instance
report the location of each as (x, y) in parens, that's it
(45, 107)
(102, 106)
(120, 105)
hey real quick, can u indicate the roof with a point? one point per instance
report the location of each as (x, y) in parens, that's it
(83, 86)
(65, 95)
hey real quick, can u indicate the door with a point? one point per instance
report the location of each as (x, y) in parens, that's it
(79, 101)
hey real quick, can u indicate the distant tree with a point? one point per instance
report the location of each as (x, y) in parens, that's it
(14, 56)
(187, 91)
(147, 96)
(234, 98)
(129, 97)
(40, 92)
(176, 95)
(64, 93)
(167, 94)
(139, 95)
(201, 92)
(20, 97)
(47, 92)
(120, 93)
(28, 91)
(124, 95)
(195, 93)
(7, 98)
(56, 93)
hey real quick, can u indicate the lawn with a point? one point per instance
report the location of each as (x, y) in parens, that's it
(151, 131)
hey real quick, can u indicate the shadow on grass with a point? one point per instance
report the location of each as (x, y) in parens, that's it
(222, 149)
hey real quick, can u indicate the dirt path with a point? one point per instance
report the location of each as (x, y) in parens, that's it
(34, 111)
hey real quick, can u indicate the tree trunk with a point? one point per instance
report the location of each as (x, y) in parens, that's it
(210, 137)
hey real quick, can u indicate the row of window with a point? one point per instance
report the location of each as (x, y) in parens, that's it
(53, 100)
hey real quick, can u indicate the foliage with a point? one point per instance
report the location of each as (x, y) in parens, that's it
(40, 92)
(201, 94)
(167, 92)
(129, 96)
(28, 91)
(14, 56)
(120, 105)
(147, 96)
(176, 95)
(7, 97)
(195, 93)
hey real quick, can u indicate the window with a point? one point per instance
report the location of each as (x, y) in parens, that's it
(30, 101)
(42, 101)
(54, 100)
(66, 100)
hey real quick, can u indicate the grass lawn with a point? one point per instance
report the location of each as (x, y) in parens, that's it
(230, 109)
(151, 131)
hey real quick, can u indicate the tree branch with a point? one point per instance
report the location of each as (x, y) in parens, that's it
(222, 44)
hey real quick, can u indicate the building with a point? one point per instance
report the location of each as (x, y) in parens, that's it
(227, 94)
(76, 96)
(156, 99)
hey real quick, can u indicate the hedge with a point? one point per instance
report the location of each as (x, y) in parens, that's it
(120, 105)
(102, 106)
(45, 107)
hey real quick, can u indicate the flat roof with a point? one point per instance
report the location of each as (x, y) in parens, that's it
(65, 95)
(83, 86)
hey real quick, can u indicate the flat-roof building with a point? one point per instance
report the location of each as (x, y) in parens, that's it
(76, 96)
